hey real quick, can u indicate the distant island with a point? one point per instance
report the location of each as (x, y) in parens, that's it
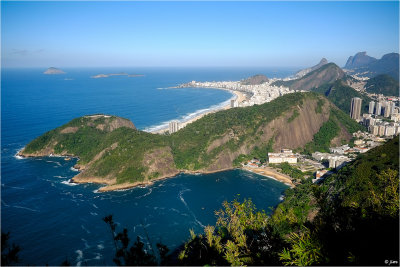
(115, 74)
(52, 71)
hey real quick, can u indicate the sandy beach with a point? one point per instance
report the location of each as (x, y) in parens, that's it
(272, 173)
(239, 96)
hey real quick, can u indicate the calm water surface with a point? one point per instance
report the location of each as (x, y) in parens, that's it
(51, 219)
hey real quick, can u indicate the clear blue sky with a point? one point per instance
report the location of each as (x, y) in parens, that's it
(74, 34)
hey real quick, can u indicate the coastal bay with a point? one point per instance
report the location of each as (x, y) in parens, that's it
(35, 190)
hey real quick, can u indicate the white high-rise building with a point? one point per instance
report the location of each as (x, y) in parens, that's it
(355, 109)
(234, 103)
(390, 130)
(378, 108)
(389, 107)
(173, 126)
(371, 107)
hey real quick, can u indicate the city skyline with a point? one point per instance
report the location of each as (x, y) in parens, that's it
(195, 34)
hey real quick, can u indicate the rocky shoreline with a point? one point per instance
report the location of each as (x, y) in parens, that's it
(111, 185)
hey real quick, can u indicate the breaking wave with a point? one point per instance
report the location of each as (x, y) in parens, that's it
(188, 117)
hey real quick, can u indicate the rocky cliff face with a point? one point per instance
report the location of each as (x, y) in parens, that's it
(294, 134)
(370, 67)
(359, 60)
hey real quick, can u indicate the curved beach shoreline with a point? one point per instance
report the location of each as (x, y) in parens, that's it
(271, 173)
(239, 96)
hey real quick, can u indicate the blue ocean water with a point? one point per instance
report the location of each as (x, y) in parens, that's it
(51, 219)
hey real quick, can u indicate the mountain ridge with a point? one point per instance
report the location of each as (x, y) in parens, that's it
(303, 72)
(369, 66)
(327, 73)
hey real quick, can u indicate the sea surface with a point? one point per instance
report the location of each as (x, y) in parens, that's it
(51, 219)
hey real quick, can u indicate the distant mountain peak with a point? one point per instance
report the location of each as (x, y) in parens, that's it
(328, 73)
(364, 53)
(323, 61)
(255, 80)
(368, 66)
(303, 72)
(360, 59)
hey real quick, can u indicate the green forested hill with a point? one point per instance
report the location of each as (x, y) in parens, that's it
(341, 94)
(352, 218)
(112, 151)
(383, 84)
(328, 73)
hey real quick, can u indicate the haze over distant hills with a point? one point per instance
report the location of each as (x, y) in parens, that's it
(255, 80)
(328, 73)
(359, 60)
(303, 72)
(368, 66)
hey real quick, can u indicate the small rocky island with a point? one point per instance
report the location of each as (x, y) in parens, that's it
(52, 71)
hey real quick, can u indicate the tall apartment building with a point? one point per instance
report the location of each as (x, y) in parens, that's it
(173, 126)
(355, 109)
(389, 108)
(374, 129)
(381, 130)
(234, 103)
(371, 107)
(378, 108)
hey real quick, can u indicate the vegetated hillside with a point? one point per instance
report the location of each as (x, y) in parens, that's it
(341, 94)
(328, 73)
(303, 72)
(371, 67)
(359, 222)
(218, 141)
(383, 84)
(255, 80)
(350, 219)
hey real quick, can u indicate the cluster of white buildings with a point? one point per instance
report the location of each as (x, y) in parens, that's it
(286, 155)
(260, 93)
(383, 108)
(335, 160)
(382, 128)
(389, 125)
